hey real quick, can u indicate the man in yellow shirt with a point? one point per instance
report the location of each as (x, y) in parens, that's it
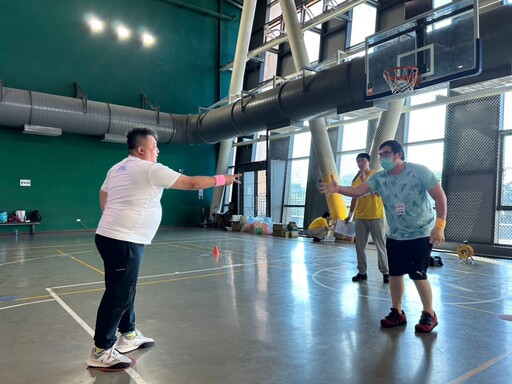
(319, 227)
(369, 218)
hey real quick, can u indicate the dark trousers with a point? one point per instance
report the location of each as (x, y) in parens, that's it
(121, 260)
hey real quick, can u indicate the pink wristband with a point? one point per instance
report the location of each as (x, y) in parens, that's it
(220, 180)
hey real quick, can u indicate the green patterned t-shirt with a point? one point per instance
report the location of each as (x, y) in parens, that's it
(408, 210)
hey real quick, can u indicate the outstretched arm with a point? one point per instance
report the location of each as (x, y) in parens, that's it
(333, 187)
(192, 183)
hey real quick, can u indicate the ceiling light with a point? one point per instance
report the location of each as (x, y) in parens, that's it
(147, 39)
(96, 25)
(123, 33)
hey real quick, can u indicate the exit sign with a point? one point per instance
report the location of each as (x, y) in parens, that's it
(25, 183)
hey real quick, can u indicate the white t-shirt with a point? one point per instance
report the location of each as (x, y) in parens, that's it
(133, 211)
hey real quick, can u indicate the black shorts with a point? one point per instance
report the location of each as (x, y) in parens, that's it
(409, 257)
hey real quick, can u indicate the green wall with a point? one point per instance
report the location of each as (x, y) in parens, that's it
(46, 46)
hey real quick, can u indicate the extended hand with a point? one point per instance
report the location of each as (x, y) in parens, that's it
(230, 179)
(328, 188)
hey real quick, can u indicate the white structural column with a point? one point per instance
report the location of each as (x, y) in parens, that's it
(386, 129)
(235, 88)
(317, 126)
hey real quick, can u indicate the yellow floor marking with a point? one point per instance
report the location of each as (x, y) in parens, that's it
(81, 262)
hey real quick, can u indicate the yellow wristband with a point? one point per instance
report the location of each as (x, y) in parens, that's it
(440, 223)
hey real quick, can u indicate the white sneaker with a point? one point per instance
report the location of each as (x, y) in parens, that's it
(125, 344)
(109, 358)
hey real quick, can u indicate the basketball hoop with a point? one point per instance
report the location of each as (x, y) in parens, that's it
(401, 80)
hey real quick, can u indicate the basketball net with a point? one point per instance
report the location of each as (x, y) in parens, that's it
(401, 80)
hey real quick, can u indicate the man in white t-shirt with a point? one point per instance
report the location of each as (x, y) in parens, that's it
(130, 202)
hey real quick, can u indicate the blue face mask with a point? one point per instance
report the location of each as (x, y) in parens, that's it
(387, 164)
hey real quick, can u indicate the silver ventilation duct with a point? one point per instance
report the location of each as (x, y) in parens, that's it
(338, 88)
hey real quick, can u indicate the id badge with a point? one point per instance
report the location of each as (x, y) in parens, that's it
(400, 208)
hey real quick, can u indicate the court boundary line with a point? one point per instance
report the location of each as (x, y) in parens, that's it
(133, 374)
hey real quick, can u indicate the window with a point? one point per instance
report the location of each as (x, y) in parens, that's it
(428, 123)
(312, 42)
(269, 65)
(348, 169)
(228, 192)
(438, 3)
(504, 217)
(507, 111)
(506, 172)
(260, 148)
(274, 27)
(430, 155)
(296, 180)
(364, 17)
(354, 136)
(352, 141)
(301, 144)
(296, 192)
(314, 9)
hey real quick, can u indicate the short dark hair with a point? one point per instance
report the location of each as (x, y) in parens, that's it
(326, 214)
(395, 147)
(135, 135)
(365, 155)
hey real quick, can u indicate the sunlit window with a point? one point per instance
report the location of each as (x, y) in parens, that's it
(430, 155)
(260, 148)
(274, 11)
(348, 168)
(312, 42)
(363, 22)
(438, 3)
(296, 179)
(428, 123)
(314, 10)
(228, 194)
(354, 136)
(352, 140)
(301, 144)
(296, 192)
(506, 168)
(507, 111)
(270, 65)
(504, 218)
(506, 192)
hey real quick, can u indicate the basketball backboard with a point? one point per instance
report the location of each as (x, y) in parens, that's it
(443, 43)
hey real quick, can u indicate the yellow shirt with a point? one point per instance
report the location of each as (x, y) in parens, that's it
(368, 207)
(320, 222)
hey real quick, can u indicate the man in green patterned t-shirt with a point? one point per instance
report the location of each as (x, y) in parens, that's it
(404, 189)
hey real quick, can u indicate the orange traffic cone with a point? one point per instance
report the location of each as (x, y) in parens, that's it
(216, 252)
